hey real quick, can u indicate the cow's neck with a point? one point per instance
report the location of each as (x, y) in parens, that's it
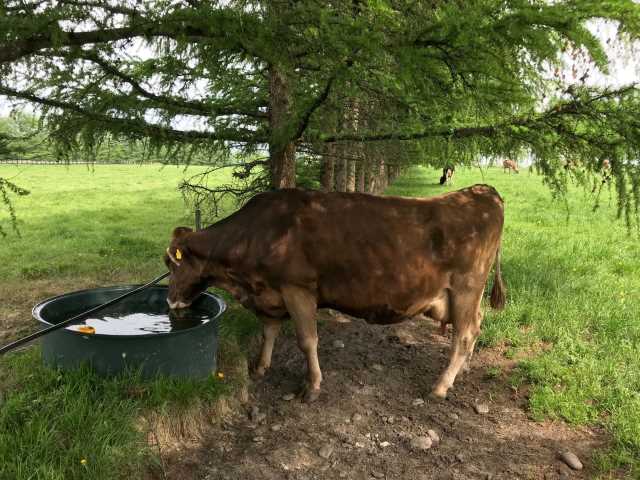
(218, 246)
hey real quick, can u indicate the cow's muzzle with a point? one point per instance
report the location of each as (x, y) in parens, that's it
(176, 305)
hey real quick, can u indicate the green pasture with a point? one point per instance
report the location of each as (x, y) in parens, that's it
(102, 221)
(573, 297)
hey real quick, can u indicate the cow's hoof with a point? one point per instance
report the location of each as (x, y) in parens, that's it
(438, 394)
(310, 395)
(257, 372)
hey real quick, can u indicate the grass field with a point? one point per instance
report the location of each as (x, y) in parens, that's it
(77, 221)
(83, 227)
(574, 298)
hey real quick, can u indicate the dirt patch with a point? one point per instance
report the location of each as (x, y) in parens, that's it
(372, 410)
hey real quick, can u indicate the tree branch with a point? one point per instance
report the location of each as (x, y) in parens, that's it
(103, 5)
(198, 107)
(171, 26)
(318, 101)
(570, 107)
(138, 126)
(22, 48)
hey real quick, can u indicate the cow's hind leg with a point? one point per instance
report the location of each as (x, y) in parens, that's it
(270, 330)
(465, 314)
(302, 306)
(467, 363)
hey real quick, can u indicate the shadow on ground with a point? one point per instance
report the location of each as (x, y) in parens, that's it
(362, 426)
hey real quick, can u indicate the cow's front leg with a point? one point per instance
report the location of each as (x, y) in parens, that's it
(270, 330)
(302, 306)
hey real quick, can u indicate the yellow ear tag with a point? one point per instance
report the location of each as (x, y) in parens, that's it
(178, 254)
(86, 329)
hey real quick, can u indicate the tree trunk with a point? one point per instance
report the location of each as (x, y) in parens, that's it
(381, 178)
(328, 168)
(341, 168)
(373, 170)
(361, 168)
(351, 119)
(385, 177)
(369, 178)
(351, 171)
(282, 151)
(393, 173)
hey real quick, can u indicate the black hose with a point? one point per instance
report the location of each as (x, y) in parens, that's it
(72, 320)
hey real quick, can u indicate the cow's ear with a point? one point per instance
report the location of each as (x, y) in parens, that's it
(180, 232)
(178, 253)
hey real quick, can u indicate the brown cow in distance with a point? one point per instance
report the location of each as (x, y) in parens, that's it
(287, 253)
(509, 165)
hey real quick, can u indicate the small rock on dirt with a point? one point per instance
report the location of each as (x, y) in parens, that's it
(420, 444)
(417, 402)
(375, 474)
(356, 417)
(258, 439)
(337, 344)
(276, 427)
(481, 408)
(253, 413)
(326, 451)
(571, 459)
(433, 435)
(377, 367)
(288, 397)
(460, 458)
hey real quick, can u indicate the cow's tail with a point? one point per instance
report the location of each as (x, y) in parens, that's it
(498, 293)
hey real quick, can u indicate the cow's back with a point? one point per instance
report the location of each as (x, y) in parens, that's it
(362, 253)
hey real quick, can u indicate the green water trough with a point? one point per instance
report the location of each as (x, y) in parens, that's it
(139, 333)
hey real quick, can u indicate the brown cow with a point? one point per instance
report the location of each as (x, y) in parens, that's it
(509, 165)
(384, 259)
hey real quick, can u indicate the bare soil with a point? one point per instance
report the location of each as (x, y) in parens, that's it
(363, 424)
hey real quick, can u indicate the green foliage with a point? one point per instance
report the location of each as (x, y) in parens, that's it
(24, 137)
(6, 189)
(433, 82)
(308, 173)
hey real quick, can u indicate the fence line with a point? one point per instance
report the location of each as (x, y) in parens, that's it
(22, 161)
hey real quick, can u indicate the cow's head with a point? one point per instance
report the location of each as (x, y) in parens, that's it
(187, 280)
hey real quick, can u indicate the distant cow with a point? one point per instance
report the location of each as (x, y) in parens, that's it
(384, 259)
(605, 170)
(605, 173)
(447, 175)
(509, 165)
(570, 165)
